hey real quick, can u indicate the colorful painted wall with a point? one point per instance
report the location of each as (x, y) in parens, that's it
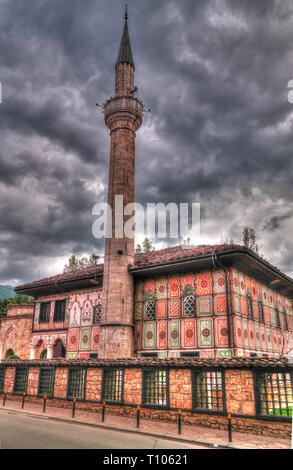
(79, 332)
(253, 336)
(188, 312)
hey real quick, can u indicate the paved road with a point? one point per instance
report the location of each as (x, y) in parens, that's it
(19, 431)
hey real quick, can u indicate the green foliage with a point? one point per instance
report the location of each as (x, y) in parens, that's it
(18, 299)
(13, 356)
(147, 246)
(75, 263)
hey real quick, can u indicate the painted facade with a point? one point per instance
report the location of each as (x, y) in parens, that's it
(80, 330)
(188, 313)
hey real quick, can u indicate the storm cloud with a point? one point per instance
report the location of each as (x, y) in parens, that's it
(215, 75)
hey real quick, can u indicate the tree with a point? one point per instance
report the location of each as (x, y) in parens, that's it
(147, 246)
(249, 239)
(75, 263)
(18, 299)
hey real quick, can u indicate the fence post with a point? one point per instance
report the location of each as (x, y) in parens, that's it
(137, 416)
(179, 421)
(73, 407)
(4, 399)
(45, 402)
(103, 411)
(229, 427)
(23, 399)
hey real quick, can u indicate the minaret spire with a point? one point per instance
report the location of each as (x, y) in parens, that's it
(125, 53)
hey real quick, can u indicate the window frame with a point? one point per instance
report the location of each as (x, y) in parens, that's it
(143, 388)
(285, 319)
(194, 306)
(108, 369)
(94, 319)
(195, 372)
(261, 315)
(249, 301)
(58, 302)
(70, 369)
(145, 307)
(26, 368)
(278, 320)
(2, 378)
(40, 317)
(258, 414)
(51, 368)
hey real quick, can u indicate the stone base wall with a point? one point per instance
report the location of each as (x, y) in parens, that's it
(239, 397)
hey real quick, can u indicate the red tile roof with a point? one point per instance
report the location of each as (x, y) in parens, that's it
(141, 260)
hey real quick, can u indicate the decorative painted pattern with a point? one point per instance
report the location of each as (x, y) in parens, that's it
(189, 335)
(149, 336)
(174, 334)
(206, 335)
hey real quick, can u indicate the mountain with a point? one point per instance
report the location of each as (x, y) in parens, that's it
(6, 292)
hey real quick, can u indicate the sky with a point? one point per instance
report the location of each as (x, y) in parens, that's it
(215, 75)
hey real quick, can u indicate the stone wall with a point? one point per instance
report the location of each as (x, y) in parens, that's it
(239, 391)
(16, 330)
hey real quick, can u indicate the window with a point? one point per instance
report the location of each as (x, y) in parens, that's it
(46, 381)
(155, 387)
(59, 312)
(112, 389)
(208, 390)
(45, 308)
(278, 324)
(98, 315)
(149, 354)
(76, 382)
(189, 306)
(43, 354)
(190, 354)
(249, 307)
(274, 394)
(285, 320)
(94, 355)
(2, 378)
(260, 311)
(149, 312)
(20, 379)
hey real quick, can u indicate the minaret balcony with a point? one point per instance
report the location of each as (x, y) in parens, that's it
(123, 109)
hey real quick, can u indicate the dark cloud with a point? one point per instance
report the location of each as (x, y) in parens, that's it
(215, 75)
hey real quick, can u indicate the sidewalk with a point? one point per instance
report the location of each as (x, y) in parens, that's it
(192, 434)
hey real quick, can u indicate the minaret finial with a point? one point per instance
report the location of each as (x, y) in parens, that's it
(126, 12)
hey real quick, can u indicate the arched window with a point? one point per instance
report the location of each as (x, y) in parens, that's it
(43, 354)
(277, 316)
(285, 320)
(58, 349)
(249, 306)
(260, 311)
(150, 310)
(98, 315)
(189, 306)
(9, 353)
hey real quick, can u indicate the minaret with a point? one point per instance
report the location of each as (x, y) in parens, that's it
(123, 116)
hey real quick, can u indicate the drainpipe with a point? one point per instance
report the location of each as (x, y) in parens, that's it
(216, 260)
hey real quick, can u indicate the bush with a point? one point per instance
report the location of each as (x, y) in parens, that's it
(13, 356)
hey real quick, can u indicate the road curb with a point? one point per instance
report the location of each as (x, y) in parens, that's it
(118, 429)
